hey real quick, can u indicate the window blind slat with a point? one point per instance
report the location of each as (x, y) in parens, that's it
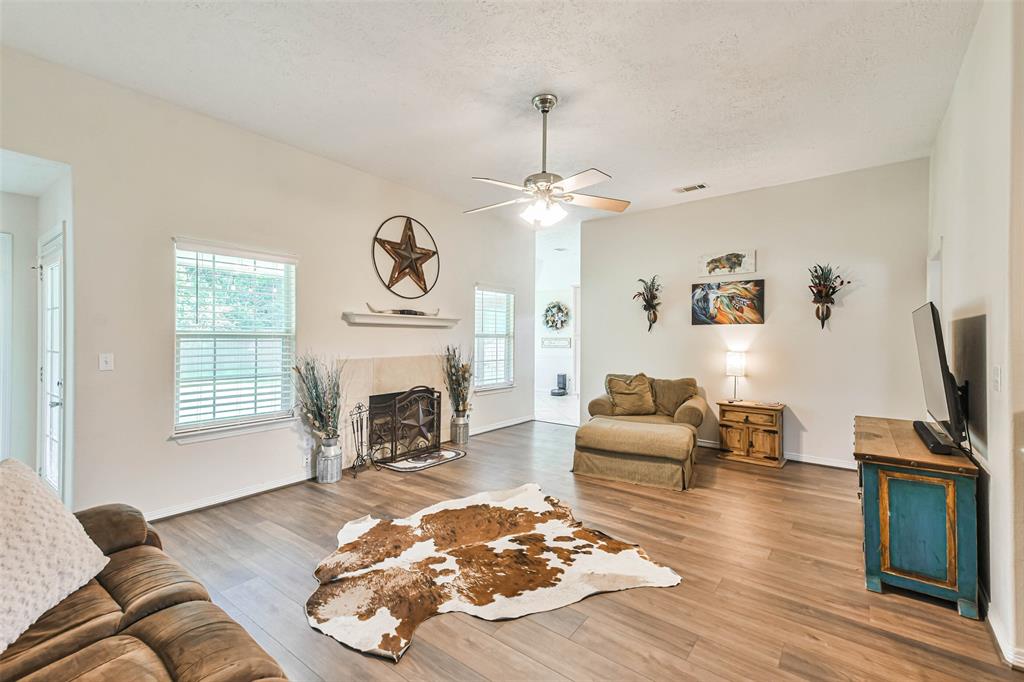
(234, 338)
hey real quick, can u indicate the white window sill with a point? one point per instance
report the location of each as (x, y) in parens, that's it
(231, 430)
(495, 389)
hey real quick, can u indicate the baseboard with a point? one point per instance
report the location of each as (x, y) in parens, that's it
(473, 431)
(221, 498)
(822, 461)
(1013, 657)
(796, 457)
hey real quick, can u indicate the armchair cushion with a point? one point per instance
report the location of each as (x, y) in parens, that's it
(669, 394)
(632, 395)
(692, 411)
(114, 527)
(601, 406)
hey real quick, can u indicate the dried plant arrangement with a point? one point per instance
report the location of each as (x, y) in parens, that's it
(318, 390)
(825, 284)
(458, 378)
(650, 295)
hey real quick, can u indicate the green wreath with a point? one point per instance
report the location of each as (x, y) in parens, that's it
(556, 315)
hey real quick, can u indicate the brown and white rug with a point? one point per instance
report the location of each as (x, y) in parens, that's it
(494, 555)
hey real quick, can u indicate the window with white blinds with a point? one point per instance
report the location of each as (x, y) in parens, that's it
(493, 359)
(234, 337)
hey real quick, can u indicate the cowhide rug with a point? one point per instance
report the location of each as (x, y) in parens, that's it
(495, 555)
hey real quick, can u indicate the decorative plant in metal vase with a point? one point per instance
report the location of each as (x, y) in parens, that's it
(458, 379)
(650, 294)
(318, 389)
(825, 284)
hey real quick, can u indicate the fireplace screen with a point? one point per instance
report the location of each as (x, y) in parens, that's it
(403, 425)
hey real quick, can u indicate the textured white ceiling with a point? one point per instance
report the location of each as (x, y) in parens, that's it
(734, 94)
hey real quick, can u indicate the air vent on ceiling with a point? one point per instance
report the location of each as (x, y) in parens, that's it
(690, 188)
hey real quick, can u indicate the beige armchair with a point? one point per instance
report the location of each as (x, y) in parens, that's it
(647, 449)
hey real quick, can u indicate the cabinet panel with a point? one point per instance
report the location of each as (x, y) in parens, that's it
(918, 527)
(764, 444)
(734, 438)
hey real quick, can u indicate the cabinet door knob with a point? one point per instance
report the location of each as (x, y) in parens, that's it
(746, 418)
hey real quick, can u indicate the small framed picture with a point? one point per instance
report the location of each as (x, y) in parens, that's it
(737, 262)
(556, 342)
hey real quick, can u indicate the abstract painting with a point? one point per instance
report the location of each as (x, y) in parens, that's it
(728, 302)
(736, 262)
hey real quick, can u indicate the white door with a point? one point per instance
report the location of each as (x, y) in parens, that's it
(51, 364)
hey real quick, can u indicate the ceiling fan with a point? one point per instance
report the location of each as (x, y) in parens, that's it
(545, 192)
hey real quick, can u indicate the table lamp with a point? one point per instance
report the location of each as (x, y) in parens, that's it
(735, 367)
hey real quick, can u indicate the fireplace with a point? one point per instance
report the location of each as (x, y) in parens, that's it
(403, 425)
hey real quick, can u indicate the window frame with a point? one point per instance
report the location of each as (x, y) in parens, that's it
(510, 337)
(230, 426)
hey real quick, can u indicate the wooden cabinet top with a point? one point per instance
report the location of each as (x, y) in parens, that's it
(894, 441)
(751, 405)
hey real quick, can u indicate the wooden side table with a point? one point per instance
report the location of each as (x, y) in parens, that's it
(751, 432)
(920, 514)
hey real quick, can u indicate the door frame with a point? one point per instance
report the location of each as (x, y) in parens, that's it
(6, 340)
(45, 242)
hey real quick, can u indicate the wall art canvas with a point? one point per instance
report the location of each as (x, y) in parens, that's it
(740, 302)
(737, 262)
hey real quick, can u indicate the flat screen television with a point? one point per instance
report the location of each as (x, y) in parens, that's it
(942, 396)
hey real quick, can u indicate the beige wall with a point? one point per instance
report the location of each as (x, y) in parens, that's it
(871, 224)
(18, 216)
(1017, 312)
(145, 171)
(970, 223)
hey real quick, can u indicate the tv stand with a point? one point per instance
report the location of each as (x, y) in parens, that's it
(936, 442)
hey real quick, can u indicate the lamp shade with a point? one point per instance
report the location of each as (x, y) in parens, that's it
(735, 364)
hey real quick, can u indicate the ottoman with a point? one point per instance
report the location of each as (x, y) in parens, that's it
(654, 453)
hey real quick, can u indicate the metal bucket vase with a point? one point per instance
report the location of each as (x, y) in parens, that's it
(460, 428)
(328, 464)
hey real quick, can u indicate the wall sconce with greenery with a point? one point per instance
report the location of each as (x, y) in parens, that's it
(825, 284)
(650, 295)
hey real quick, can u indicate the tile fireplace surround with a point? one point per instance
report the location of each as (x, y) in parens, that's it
(363, 377)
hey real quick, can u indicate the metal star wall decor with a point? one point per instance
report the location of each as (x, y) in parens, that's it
(408, 258)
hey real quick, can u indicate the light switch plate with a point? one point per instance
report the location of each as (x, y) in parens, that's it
(106, 362)
(997, 378)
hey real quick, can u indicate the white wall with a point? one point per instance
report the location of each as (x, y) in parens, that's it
(145, 171)
(871, 224)
(18, 216)
(970, 221)
(557, 272)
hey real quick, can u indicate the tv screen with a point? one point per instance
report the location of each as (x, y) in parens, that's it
(940, 390)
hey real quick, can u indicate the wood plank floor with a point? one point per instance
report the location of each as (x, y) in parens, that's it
(773, 586)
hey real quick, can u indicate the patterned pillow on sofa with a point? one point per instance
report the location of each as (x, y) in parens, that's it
(631, 395)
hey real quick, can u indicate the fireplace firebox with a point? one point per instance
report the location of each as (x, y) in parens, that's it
(403, 425)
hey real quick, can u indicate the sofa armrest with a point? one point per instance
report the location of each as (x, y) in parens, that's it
(114, 527)
(692, 411)
(600, 406)
(153, 538)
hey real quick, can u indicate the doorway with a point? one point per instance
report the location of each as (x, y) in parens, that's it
(557, 341)
(36, 339)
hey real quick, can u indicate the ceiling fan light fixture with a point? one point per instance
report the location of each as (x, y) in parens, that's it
(543, 213)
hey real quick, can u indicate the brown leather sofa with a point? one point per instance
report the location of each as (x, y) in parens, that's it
(144, 617)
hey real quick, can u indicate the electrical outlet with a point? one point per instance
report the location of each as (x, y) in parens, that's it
(106, 362)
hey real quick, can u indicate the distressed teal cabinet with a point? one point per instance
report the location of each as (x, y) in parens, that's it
(920, 514)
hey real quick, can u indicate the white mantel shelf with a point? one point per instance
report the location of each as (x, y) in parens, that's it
(392, 320)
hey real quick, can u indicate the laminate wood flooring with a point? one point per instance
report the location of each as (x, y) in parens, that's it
(773, 580)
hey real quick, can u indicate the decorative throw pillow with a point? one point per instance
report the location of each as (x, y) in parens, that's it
(631, 395)
(669, 394)
(45, 554)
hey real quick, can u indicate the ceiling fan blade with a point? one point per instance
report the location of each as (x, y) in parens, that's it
(501, 203)
(603, 203)
(499, 183)
(586, 178)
